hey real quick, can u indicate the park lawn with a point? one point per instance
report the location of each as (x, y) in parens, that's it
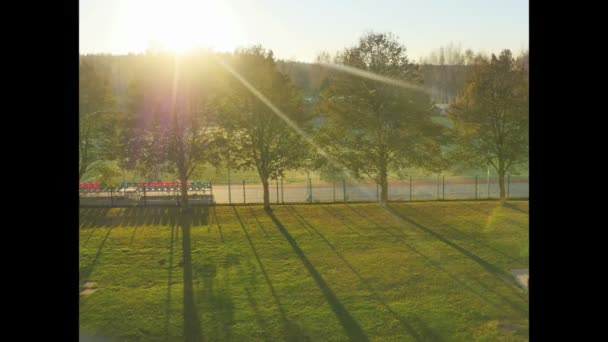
(328, 272)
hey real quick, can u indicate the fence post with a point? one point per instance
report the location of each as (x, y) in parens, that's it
(229, 190)
(145, 203)
(244, 201)
(443, 188)
(111, 199)
(277, 190)
(410, 188)
(438, 187)
(282, 198)
(488, 187)
(508, 184)
(476, 187)
(310, 188)
(344, 189)
(377, 198)
(334, 190)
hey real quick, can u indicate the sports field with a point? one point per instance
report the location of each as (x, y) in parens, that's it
(425, 271)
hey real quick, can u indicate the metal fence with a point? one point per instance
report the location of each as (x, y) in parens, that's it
(317, 191)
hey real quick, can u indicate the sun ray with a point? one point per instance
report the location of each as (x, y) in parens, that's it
(288, 121)
(373, 76)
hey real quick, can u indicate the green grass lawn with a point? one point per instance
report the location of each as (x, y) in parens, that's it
(412, 272)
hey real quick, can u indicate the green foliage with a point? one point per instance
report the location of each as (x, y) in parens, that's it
(374, 127)
(256, 137)
(490, 117)
(153, 159)
(96, 114)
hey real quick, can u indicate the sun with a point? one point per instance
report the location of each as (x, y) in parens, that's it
(181, 25)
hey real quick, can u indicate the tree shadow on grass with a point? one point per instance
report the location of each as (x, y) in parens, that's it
(192, 324)
(93, 217)
(169, 281)
(86, 272)
(403, 239)
(490, 268)
(291, 331)
(347, 222)
(217, 223)
(215, 302)
(350, 325)
(408, 327)
(514, 207)
(257, 220)
(469, 237)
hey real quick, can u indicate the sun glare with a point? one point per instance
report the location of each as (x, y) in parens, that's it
(181, 25)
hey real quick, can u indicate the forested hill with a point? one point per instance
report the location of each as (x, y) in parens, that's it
(443, 82)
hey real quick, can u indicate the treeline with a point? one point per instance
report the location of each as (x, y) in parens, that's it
(363, 112)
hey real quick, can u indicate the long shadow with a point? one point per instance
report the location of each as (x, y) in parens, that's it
(216, 303)
(350, 325)
(257, 220)
(403, 239)
(203, 216)
(131, 220)
(169, 282)
(165, 217)
(514, 207)
(264, 273)
(464, 235)
(124, 219)
(289, 208)
(157, 216)
(410, 329)
(132, 236)
(150, 213)
(258, 315)
(140, 218)
(83, 216)
(89, 236)
(341, 218)
(93, 218)
(192, 325)
(86, 272)
(499, 273)
(217, 223)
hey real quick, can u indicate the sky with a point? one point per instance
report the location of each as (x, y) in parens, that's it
(300, 30)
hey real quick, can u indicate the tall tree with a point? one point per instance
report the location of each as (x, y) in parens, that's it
(96, 111)
(373, 127)
(189, 141)
(263, 140)
(491, 115)
(176, 91)
(153, 148)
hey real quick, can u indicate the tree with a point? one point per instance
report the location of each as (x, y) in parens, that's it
(96, 110)
(174, 139)
(189, 141)
(262, 139)
(373, 127)
(153, 152)
(124, 140)
(491, 115)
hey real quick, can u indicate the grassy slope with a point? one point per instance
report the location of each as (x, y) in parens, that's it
(328, 272)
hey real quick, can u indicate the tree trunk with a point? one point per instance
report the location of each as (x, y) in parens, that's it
(184, 192)
(192, 330)
(266, 194)
(501, 183)
(383, 185)
(501, 179)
